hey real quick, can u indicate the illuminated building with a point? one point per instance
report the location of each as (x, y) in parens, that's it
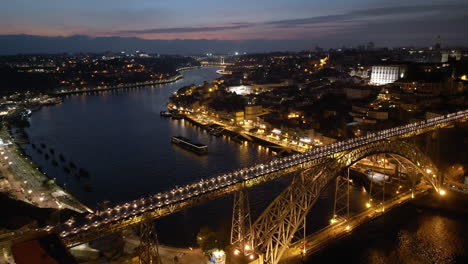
(241, 90)
(387, 74)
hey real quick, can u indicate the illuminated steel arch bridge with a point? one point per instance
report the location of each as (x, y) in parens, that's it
(273, 231)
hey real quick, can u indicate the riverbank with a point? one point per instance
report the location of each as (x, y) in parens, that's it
(188, 68)
(429, 229)
(121, 86)
(28, 184)
(237, 136)
(331, 234)
(240, 136)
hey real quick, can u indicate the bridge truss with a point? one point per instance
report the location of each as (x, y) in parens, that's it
(277, 226)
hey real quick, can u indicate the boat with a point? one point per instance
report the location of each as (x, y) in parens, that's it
(165, 114)
(177, 116)
(216, 131)
(189, 144)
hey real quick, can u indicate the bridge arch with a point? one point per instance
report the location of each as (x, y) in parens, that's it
(275, 228)
(408, 152)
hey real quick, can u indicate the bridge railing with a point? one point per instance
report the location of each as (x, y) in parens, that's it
(203, 187)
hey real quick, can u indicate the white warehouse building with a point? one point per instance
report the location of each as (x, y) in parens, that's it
(387, 74)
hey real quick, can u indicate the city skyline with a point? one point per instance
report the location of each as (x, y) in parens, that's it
(296, 24)
(233, 132)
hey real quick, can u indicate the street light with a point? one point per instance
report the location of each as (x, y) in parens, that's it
(442, 192)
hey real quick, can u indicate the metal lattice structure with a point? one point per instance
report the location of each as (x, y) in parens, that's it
(341, 204)
(241, 228)
(276, 228)
(334, 157)
(149, 246)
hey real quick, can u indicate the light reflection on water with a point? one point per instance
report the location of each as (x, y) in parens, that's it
(120, 138)
(412, 233)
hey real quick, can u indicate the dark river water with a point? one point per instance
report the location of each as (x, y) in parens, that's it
(119, 137)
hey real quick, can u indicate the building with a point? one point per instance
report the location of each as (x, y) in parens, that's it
(253, 111)
(387, 74)
(41, 248)
(434, 88)
(4, 184)
(241, 89)
(357, 92)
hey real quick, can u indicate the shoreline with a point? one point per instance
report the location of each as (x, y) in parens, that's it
(131, 85)
(233, 135)
(29, 184)
(171, 79)
(62, 199)
(57, 196)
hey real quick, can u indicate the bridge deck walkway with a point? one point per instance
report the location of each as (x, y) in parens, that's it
(324, 237)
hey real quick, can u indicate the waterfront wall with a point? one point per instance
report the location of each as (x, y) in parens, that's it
(120, 86)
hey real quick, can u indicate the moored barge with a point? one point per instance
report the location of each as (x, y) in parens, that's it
(190, 145)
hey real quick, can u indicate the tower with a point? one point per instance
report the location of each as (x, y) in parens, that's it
(438, 43)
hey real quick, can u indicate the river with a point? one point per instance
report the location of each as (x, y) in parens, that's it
(119, 137)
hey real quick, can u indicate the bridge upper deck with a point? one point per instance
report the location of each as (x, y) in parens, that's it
(165, 203)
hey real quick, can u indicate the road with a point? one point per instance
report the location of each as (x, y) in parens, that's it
(27, 182)
(341, 229)
(126, 212)
(206, 120)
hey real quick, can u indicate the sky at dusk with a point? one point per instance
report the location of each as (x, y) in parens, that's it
(343, 22)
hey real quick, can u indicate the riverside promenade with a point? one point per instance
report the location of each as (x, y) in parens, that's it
(120, 86)
(28, 184)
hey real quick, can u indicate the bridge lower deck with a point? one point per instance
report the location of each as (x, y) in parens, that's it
(332, 233)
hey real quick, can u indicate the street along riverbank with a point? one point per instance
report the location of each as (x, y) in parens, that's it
(27, 183)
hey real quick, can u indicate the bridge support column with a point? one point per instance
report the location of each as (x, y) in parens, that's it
(376, 192)
(241, 229)
(341, 205)
(149, 246)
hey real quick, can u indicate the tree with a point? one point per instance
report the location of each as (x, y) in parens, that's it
(455, 173)
(206, 238)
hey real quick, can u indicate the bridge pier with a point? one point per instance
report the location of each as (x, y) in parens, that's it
(241, 228)
(341, 204)
(149, 246)
(374, 193)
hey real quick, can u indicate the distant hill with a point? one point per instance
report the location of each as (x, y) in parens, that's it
(29, 44)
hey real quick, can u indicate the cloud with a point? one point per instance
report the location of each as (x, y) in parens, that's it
(185, 29)
(369, 13)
